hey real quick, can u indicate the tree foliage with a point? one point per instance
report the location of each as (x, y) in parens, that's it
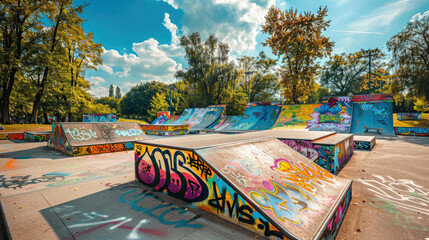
(298, 39)
(157, 104)
(410, 56)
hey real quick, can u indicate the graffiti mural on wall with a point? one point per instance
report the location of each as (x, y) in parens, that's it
(34, 137)
(334, 115)
(412, 131)
(11, 136)
(102, 148)
(184, 175)
(96, 117)
(295, 116)
(408, 116)
(373, 117)
(361, 145)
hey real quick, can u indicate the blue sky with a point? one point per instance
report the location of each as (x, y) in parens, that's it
(141, 37)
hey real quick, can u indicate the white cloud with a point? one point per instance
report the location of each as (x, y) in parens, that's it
(99, 92)
(419, 16)
(96, 80)
(105, 68)
(381, 17)
(235, 22)
(150, 60)
(172, 3)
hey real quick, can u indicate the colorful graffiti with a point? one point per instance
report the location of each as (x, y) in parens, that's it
(373, 98)
(37, 137)
(80, 134)
(334, 224)
(11, 136)
(412, 131)
(98, 117)
(373, 117)
(59, 141)
(334, 115)
(102, 148)
(361, 145)
(408, 116)
(184, 175)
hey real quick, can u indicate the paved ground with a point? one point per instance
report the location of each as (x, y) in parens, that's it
(48, 195)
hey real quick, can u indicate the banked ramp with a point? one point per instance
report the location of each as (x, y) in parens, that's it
(258, 183)
(77, 139)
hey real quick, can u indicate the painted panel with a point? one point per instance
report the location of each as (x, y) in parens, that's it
(295, 116)
(408, 116)
(11, 136)
(335, 115)
(98, 117)
(372, 117)
(160, 120)
(34, 137)
(211, 115)
(103, 148)
(218, 122)
(164, 127)
(412, 131)
(230, 121)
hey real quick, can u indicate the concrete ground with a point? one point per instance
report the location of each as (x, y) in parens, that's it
(48, 195)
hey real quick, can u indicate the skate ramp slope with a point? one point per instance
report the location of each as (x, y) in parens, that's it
(160, 120)
(211, 115)
(99, 117)
(258, 183)
(373, 114)
(77, 139)
(229, 121)
(259, 117)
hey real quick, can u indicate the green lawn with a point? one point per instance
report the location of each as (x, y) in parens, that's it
(26, 127)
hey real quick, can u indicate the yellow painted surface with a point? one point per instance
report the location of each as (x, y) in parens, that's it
(424, 122)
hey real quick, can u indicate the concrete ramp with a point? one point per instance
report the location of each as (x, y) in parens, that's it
(77, 139)
(373, 115)
(160, 120)
(295, 116)
(218, 122)
(230, 121)
(211, 115)
(256, 118)
(258, 183)
(99, 117)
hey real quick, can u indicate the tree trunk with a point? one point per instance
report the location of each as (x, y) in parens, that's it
(295, 99)
(7, 90)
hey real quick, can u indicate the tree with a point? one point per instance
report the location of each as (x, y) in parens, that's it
(19, 22)
(113, 103)
(262, 84)
(118, 94)
(136, 103)
(158, 104)
(209, 69)
(111, 90)
(410, 55)
(298, 39)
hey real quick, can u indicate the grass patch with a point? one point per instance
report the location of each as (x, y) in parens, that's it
(424, 122)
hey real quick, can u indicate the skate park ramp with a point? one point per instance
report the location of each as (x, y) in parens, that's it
(373, 114)
(160, 120)
(211, 115)
(218, 122)
(258, 183)
(191, 116)
(92, 138)
(330, 116)
(256, 118)
(229, 121)
(99, 117)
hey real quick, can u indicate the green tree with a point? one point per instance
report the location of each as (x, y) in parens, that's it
(111, 91)
(118, 94)
(158, 104)
(210, 73)
(299, 40)
(410, 56)
(237, 103)
(113, 103)
(19, 23)
(136, 103)
(262, 83)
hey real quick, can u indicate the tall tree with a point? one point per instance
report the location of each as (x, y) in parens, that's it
(158, 104)
(209, 68)
(118, 94)
(262, 82)
(111, 91)
(410, 55)
(19, 23)
(299, 40)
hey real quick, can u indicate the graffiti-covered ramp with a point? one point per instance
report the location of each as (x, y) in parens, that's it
(258, 183)
(92, 138)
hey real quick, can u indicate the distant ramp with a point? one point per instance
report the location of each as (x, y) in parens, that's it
(77, 139)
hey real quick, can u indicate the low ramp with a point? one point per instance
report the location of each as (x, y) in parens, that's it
(77, 139)
(365, 143)
(218, 122)
(260, 184)
(37, 136)
(373, 115)
(211, 115)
